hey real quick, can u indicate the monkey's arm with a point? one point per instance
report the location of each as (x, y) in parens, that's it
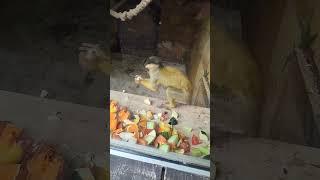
(147, 83)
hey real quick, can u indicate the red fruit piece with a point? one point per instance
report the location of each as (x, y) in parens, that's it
(195, 140)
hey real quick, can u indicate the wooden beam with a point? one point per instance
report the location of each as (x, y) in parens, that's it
(311, 87)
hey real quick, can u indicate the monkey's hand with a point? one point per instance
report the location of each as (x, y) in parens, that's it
(138, 79)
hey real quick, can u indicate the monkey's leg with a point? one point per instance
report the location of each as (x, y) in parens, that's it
(174, 95)
(147, 83)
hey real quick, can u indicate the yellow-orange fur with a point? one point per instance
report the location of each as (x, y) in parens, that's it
(178, 85)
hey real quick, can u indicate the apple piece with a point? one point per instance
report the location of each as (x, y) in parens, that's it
(150, 125)
(150, 137)
(173, 140)
(203, 136)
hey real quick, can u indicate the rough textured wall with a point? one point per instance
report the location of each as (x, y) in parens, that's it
(179, 25)
(286, 108)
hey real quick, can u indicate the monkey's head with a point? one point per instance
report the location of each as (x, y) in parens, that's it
(152, 63)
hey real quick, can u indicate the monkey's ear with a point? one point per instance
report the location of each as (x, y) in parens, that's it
(145, 61)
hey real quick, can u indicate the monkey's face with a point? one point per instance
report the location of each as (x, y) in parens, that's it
(152, 66)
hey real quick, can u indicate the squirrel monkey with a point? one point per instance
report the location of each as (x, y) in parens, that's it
(92, 60)
(178, 85)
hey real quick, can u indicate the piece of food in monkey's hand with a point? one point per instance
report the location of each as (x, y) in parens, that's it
(137, 79)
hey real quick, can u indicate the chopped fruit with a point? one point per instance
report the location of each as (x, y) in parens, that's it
(113, 121)
(165, 148)
(113, 107)
(149, 115)
(196, 152)
(146, 131)
(150, 137)
(205, 150)
(120, 125)
(142, 142)
(163, 127)
(143, 123)
(136, 119)
(173, 140)
(195, 140)
(164, 116)
(159, 141)
(174, 114)
(149, 129)
(126, 136)
(174, 131)
(166, 135)
(185, 146)
(123, 114)
(150, 125)
(132, 128)
(203, 136)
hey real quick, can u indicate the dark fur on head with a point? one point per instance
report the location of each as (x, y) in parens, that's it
(153, 60)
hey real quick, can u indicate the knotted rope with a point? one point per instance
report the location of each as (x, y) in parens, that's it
(128, 15)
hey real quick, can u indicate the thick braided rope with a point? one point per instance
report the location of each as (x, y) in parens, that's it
(128, 15)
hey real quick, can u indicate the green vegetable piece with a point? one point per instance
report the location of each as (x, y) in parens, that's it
(150, 125)
(164, 147)
(173, 121)
(196, 152)
(173, 139)
(204, 150)
(166, 134)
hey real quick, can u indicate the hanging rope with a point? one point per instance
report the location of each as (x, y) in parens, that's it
(128, 15)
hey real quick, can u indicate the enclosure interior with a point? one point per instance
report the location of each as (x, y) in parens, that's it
(176, 31)
(40, 47)
(255, 95)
